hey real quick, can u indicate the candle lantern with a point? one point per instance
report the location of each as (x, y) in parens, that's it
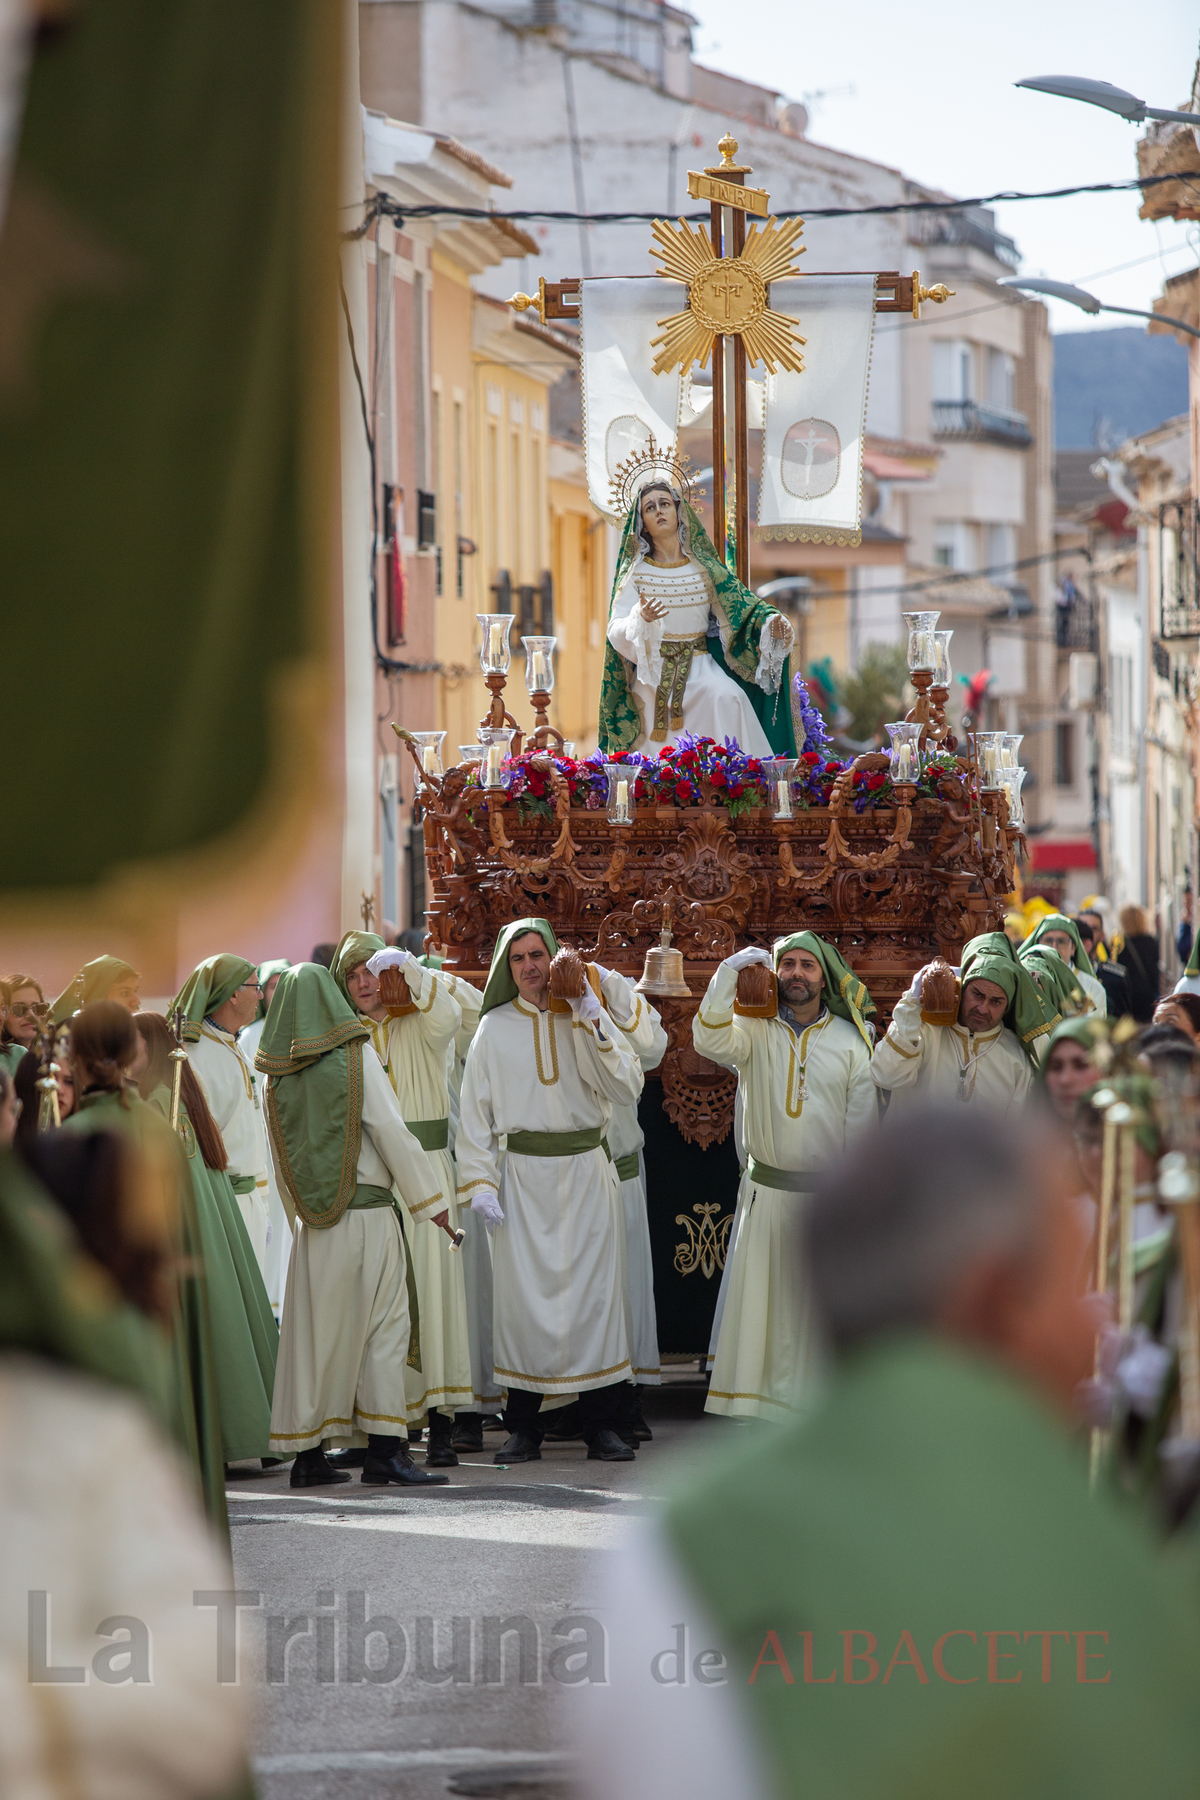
(539, 664)
(495, 653)
(1014, 781)
(779, 772)
(622, 778)
(497, 743)
(986, 745)
(943, 674)
(1010, 749)
(568, 748)
(922, 647)
(471, 753)
(429, 750)
(905, 751)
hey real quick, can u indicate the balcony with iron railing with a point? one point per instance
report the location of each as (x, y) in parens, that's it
(971, 421)
(1075, 624)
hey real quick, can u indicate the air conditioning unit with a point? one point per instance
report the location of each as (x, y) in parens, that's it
(1083, 677)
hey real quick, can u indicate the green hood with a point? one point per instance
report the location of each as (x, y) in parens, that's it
(92, 983)
(265, 972)
(845, 995)
(209, 986)
(740, 618)
(1057, 980)
(500, 986)
(1088, 1032)
(355, 948)
(1059, 922)
(311, 1048)
(991, 957)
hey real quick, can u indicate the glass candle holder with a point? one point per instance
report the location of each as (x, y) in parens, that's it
(539, 664)
(568, 748)
(497, 743)
(471, 754)
(922, 647)
(1010, 749)
(986, 745)
(943, 674)
(621, 782)
(429, 749)
(779, 772)
(1014, 781)
(905, 750)
(495, 653)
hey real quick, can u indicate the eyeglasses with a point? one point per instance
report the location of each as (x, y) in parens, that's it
(27, 1009)
(255, 987)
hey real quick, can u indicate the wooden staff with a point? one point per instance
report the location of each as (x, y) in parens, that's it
(49, 1117)
(178, 1057)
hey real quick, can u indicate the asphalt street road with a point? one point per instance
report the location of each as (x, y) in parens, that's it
(485, 1586)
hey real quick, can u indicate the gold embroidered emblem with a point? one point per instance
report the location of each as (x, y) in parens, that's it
(707, 1243)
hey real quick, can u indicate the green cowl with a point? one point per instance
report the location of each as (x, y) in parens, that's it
(845, 995)
(94, 982)
(355, 948)
(209, 986)
(1059, 922)
(1057, 981)
(311, 1048)
(1085, 1032)
(1028, 1015)
(265, 972)
(740, 618)
(500, 986)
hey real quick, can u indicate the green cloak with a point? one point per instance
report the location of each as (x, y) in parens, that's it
(1059, 922)
(209, 986)
(1028, 1015)
(845, 995)
(355, 948)
(500, 986)
(311, 1047)
(740, 619)
(1057, 981)
(265, 972)
(92, 983)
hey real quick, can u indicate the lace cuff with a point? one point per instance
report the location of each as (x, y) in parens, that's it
(645, 635)
(772, 655)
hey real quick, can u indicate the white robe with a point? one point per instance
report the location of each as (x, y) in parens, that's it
(645, 1036)
(344, 1338)
(561, 1315)
(713, 703)
(231, 1089)
(413, 1051)
(805, 1096)
(279, 1224)
(476, 1252)
(946, 1062)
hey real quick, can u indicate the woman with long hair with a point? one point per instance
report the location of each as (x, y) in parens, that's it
(104, 1046)
(22, 1005)
(245, 1335)
(26, 1081)
(1139, 959)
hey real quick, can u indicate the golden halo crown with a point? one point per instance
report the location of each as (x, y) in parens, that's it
(643, 466)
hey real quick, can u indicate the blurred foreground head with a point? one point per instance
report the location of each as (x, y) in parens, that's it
(958, 1226)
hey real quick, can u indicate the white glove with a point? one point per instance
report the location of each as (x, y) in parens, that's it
(587, 1007)
(390, 959)
(741, 959)
(601, 972)
(487, 1206)
(915, 985)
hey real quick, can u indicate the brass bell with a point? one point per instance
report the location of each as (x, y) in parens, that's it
(663, 972)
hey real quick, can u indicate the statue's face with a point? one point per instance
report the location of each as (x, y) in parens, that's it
(660, 515)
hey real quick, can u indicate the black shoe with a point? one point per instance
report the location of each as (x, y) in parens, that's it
(629, 1436)
(522, 1446)
(399, 1467)
(640, 1429)
(440, 1454)
(563, 1424)
(312, 1470)
(345, 1459)
(606, 1446)
(467, 1433)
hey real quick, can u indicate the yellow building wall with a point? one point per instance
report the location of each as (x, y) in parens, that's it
(581, 609)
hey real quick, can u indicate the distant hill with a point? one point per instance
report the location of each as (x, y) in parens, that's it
(1111, 385)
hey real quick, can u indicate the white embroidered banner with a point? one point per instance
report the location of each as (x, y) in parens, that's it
(811, 487)
(624, 402)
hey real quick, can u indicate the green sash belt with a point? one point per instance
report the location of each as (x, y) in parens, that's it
(431, 1134)
(243, 1184)
(558, 1143)
(676, 667)
(365, 1195)
(628, 1167)
(789, 1181)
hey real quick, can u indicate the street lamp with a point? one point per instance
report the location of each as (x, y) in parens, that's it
(1102, 93)
(1088, 303)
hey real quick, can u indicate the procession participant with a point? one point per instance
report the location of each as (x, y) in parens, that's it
(279, 1227)
(1057, 982)
(218, 998)
(663, 672)
(1109, 974)
(985, 1052)
(1182, 1011)
(1069, 1068)
(26, 1080)
(105, 978)
(413, 1050)
(546, 1074)
(345, 1337)
(1057, 932)
(805, 1076)
(22, 1006)
(244, 1334)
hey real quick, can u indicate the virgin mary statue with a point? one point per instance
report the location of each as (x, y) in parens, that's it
(689, 648)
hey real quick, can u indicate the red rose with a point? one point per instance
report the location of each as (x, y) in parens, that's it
(753, 766)
(639, 790)
(810, 756)
(719, 778)
(876, 781)
(682, 790)
(736, 789)
(832, 768)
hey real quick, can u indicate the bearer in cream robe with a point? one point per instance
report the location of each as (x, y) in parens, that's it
(345, 1337)
(218, 999)
(279, 1230)
(805, 1079)
(546, 1075)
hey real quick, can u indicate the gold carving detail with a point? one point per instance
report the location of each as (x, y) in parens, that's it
(706, 1244)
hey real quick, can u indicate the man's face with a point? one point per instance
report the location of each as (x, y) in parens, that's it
(125, 992)
(363, 989)
(982, 1006)
(529, 961)
(801, 977)
(1091, 922)
(1061, 941)
(242, 1005)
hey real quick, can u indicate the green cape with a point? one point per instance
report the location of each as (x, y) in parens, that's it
(207, 988)
(740, 618)
(311, 1047)
(265, 972)
(991, 957)
(1059, 922)
(92, 983)
(500, 986)
(1057, 981)
(845, 995)
(354, 948)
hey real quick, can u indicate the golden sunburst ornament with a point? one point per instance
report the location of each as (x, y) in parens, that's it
(632, 474)
(727, 295)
